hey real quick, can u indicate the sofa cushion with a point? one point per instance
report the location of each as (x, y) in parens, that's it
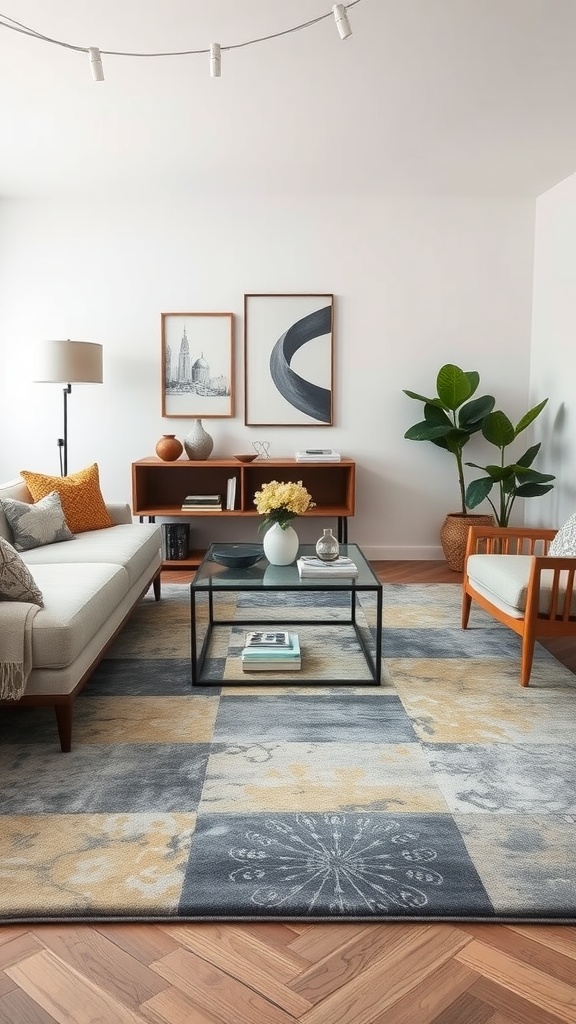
(38, 524)
(80, 494)
(503, 579)
(78, 598)
(12, 489)
(16, 580)
(132, 545)
(564, 542)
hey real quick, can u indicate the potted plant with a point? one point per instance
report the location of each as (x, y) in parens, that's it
(451, 417)
(515, 480)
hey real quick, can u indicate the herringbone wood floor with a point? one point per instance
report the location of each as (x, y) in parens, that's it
(274, 973)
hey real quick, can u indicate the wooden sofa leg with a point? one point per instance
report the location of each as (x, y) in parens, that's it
(156, 586)
(527, 658)
(64, 722)
(466, 604)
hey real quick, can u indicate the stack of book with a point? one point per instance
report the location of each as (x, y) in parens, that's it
(271, 651)
(202, 503)
(317, 455)
(310, 567)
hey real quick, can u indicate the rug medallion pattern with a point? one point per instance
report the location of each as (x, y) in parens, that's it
(447, 793)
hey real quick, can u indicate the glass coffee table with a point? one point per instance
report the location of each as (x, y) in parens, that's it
(216, 588)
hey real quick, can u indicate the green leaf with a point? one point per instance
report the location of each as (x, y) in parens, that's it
(533, 490)
(532, 476)
(473, 378)
(420, 398)
(453, 386)
(435, 416)
(478, 490)
(423, 431)
(471, 415)
(528, 458)
(500, 472)
(498, 430)
(529, 417)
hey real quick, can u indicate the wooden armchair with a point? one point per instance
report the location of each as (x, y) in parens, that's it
(508, 573)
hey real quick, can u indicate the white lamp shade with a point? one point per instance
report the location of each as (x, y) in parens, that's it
(69, 362)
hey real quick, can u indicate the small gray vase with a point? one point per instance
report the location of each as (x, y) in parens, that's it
(198, 443)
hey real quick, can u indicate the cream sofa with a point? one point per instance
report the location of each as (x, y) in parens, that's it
(90, 585)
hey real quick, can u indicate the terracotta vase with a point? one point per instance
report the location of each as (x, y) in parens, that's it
(198, 443)
(169, 448)
(280, 546)
(454, 536)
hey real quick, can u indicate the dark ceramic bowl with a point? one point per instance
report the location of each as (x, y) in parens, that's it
(246, 458)
(238, 556)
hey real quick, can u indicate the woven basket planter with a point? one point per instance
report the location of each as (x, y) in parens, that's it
(454, 536)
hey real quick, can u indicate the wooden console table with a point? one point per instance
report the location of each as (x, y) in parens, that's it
(159, 488)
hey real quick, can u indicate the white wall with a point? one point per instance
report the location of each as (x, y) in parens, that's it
(417, 283)
(553, 367)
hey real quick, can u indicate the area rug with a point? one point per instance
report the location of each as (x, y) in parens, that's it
(447, 793)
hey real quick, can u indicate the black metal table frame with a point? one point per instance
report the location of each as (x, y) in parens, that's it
(198, 654)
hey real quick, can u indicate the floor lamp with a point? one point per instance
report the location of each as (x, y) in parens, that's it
(68, 362)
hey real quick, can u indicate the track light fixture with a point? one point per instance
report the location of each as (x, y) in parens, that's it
(339, 11)
(215, 62)
(96, 64)
(341, 19)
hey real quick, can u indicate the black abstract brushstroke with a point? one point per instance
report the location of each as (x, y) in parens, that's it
(308, 398)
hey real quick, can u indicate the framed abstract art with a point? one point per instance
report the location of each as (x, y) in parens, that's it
(288, 360)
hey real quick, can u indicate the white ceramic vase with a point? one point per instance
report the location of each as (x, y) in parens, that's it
(280, 546)
(198, 443)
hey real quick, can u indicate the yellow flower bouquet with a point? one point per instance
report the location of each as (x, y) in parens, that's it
(281, 502)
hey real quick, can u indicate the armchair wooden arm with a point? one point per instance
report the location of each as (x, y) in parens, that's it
(549, 608)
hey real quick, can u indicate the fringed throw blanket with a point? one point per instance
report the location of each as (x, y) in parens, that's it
(15, 648)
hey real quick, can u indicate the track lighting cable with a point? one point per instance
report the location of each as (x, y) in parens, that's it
(91, 51)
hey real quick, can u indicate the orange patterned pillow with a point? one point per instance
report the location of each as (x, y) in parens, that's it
(80, 494)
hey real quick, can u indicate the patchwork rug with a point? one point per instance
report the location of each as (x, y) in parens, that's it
(447, 793)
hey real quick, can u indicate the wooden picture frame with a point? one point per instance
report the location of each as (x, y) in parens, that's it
(288, 360)
(197, 365)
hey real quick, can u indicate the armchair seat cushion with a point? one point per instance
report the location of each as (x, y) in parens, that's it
(503, 580)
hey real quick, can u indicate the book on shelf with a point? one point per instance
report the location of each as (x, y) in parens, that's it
(231, 493)
(310, 567)
(202, 503)
(273, 656)
(202, 508)
(203, 499)
(318, 455)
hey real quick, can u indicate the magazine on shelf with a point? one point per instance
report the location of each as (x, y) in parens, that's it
(317, 455)
(310, 567)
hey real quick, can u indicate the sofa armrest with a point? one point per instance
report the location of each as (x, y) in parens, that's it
(119, 513)
(559, 578)
(508, 540)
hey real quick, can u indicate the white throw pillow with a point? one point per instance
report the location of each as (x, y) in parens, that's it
(564, 542)
(38, 524)
(16, 580)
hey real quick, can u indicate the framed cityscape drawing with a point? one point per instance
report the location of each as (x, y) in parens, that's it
(197, 364)
(288, 360)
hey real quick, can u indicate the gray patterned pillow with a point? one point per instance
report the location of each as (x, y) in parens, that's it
(16, 580)
(564, 542)
(38, 524)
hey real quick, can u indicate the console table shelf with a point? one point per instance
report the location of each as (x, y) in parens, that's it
(159, 488)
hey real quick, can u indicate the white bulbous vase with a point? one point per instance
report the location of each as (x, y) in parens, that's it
(280, 546)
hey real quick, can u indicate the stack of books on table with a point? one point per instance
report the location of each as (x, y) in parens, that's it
(271, 651)
(202, 503)
(317, 455)
(310, 567)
